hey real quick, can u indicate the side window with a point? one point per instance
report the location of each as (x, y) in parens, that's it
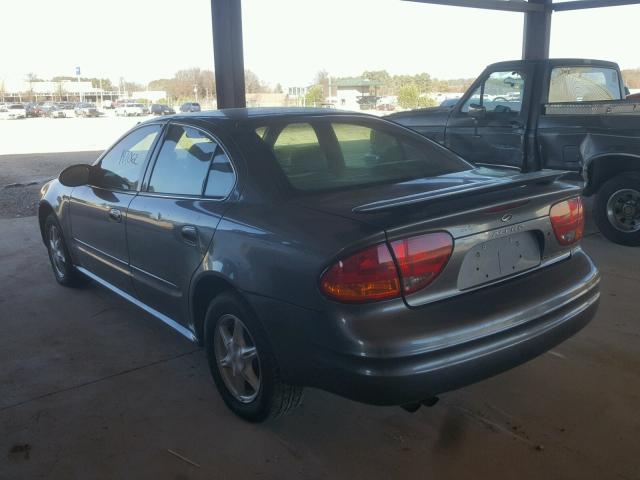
(298, 150)
(183, 162)
(221, 177)
(584, 84)
(121, 167)
(502, 92)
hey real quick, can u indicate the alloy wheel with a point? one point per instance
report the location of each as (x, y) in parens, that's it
(56, 248)
(237, 358)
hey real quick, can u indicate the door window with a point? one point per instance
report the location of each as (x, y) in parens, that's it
(221, 177)
(584, 84)
(501, 92)
(121, 167)
(183, 162)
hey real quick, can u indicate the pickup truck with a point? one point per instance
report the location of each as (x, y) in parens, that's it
(561, 114)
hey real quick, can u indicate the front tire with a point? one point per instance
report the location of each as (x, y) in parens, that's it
(63, 270)
(242, 363)
(617, 209)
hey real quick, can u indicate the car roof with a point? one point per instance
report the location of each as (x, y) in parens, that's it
(240, 114)
(555, 62)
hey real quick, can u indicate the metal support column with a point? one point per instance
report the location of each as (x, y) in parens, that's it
(226, 21)
(537, 32)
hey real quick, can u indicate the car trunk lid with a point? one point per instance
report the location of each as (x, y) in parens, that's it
(499, 221)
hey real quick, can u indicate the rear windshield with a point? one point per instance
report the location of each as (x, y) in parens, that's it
(335, 154)
(584, 84)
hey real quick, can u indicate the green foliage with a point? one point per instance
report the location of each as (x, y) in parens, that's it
(409, 96)
(314, 96)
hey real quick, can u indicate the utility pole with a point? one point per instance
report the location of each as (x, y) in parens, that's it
(78, 77)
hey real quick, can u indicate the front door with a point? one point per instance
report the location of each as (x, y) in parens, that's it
(98, 211)
(489, 126)
(171, 222)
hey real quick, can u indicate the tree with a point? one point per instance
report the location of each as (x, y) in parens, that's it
(631, 77)
(314, 96)
(253, 84)
(278, 88)
(408, 96)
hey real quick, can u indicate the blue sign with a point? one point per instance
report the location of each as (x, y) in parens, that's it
(77, 70)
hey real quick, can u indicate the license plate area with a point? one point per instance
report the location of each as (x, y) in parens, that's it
(499, 258)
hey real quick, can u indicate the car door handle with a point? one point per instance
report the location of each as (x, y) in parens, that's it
(115, 214)
(189, 234)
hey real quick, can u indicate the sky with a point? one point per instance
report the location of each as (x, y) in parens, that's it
(288, 41)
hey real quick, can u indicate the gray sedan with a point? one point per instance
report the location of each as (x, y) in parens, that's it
(324, 249)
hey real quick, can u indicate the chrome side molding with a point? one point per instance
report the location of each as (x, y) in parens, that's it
(160, 316)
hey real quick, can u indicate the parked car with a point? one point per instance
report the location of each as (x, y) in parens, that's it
(33, 109)
(14, 111)
(576, 120)
(108, 104)
(309, 247)
(634, 96)
(160, 109)
(86, 110)
(55, 111)
(130, 109)
(190, 107)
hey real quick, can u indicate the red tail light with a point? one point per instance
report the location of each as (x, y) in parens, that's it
(567, 219)
(372, 274)
(365, 276)
(421, 259)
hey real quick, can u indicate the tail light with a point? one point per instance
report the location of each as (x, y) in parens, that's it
(421, 259)
(365, 276)
(567, 220)
(372, 274)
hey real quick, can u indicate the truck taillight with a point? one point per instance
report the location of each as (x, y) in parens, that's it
(421, 259)
(372, 274)
(567, 220)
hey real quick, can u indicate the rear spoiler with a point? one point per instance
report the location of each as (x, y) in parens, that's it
(449, 193)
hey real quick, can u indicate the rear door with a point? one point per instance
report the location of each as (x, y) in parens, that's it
(489, 125)
(172, 221)
(98, 211)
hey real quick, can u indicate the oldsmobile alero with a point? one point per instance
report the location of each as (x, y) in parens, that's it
(324, 249)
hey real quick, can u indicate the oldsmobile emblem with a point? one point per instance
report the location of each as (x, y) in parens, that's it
(506, 217)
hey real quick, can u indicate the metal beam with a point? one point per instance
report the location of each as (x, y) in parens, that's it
(583, 4)
(505, 5)
(536, 36)
(226, 22)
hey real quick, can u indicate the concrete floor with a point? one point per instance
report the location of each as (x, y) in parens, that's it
(98, 389)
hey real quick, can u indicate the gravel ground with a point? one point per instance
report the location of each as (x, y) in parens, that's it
(21, 177)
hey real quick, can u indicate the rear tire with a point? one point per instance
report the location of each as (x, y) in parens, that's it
(617, 209)
(63, 270)
(242, 362)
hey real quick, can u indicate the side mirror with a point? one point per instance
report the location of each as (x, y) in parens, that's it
(477, 111)
(75, 175)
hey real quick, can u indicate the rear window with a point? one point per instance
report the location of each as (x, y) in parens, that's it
(584, 84)
(326, 155)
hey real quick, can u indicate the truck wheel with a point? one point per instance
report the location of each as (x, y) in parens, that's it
(617, 209)
(242, 362)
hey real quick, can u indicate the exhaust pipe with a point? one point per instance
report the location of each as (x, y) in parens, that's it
(415, 406)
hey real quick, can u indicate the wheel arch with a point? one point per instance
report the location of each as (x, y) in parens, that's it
(206, 287)
(603, 167)
(44, 210)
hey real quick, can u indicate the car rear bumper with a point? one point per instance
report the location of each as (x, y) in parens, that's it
(389, 354)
